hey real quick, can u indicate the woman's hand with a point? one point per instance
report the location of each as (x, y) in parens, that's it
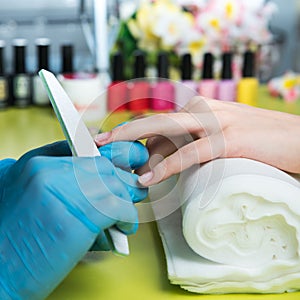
(206, 129)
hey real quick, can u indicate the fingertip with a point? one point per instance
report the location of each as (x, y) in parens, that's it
(159, 173)
(146, 178)
(103, 138)
(128, 228)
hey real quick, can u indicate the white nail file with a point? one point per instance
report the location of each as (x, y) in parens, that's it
(79, 139)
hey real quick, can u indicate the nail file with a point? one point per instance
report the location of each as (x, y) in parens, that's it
(79, 139)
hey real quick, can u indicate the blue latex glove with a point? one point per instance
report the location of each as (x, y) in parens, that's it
(53, 207)
(127, 156)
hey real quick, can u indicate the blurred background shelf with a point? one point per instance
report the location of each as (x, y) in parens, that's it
(27, 128)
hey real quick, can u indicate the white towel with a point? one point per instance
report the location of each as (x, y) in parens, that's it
(231, 226)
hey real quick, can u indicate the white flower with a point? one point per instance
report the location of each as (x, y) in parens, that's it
(171, 27)
(255, 28)
(171, 23)
(228, 10)
(193, 43)
(211, 23)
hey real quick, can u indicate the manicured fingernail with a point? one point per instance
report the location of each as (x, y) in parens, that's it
(145, 177)
(102, 136)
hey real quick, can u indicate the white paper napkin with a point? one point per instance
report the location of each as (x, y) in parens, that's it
(233, 227)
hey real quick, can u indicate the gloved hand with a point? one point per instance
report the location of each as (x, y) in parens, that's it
(53, 207)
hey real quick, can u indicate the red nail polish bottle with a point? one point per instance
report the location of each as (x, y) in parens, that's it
(117, 92)
(139, 88)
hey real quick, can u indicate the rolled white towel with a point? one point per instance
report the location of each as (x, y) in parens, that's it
(241, 218)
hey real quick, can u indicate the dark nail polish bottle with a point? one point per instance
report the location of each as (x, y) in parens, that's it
(4, 90)
(21, 80)
(67, 63)
(39, 95)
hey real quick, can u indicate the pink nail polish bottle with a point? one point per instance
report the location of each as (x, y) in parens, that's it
(227, 85)
(187, 88)
(163, 90)
(208, 85)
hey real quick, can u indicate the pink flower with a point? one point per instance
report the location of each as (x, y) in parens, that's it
(291, 95)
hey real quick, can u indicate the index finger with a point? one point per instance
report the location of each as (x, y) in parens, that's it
(165, 124)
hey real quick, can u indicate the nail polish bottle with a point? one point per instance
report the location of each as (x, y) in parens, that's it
(139, 88)
(85, 89)
(67, 62)
(117, 91)
(227, 85)
(247, 89)
(187, 88)
(163, 90)
(208, 85)
(4, 87)
(39, 95)
(21, 80)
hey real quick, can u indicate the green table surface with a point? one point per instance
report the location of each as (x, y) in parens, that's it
(141, 275)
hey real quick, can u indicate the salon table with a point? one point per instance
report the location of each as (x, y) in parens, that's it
(103, 275)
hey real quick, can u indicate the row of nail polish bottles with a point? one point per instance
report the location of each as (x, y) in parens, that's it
(223, 89)
(140, 94)
(19, 88)
(243, 90)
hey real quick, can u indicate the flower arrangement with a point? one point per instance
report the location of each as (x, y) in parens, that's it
(197, 26)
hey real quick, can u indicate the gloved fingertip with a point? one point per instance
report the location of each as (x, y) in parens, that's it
(62, 148)
(127, 228)
(105, 150)
(140, 194)
(101, 243)
(138, 155)
(125, 155)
